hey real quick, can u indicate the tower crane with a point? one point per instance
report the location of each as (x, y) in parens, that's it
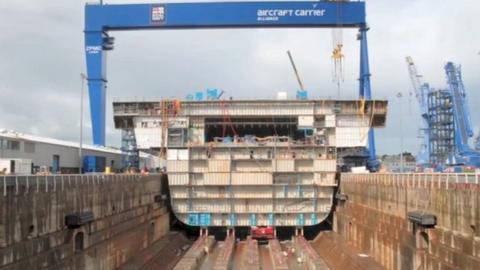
(422, 90)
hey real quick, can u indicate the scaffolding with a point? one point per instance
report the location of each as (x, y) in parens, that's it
(442, 138)
(129, 149)
(168, 109)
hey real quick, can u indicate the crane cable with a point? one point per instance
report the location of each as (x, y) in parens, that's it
(337, 54)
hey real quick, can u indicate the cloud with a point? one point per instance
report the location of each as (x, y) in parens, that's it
(42, 56)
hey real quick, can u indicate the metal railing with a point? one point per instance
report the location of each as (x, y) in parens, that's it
(24, 184)
(421, 178)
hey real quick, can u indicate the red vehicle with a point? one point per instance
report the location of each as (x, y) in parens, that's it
(262, 233)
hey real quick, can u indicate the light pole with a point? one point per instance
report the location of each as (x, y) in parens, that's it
(399, 96)
(1, 147)
(83, 77)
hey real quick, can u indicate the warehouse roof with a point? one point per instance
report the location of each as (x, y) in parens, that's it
(10, 134)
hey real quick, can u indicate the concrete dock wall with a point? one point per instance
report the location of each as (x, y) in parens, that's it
(374, 219)
(33, 235)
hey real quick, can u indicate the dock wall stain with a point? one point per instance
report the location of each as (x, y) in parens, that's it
(374, 219)
(33, 235)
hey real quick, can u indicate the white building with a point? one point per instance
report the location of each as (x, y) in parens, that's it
(58, 155)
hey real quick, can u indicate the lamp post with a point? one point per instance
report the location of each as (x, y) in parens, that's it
(83, 77)
(399, 96)
(1, 147)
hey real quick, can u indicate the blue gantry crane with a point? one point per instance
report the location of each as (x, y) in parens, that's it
(446, 122)
(101, 20)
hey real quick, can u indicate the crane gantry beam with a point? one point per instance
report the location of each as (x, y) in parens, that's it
(101, 19)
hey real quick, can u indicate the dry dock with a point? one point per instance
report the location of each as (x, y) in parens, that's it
(375, 226)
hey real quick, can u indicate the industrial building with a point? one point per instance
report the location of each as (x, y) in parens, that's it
(251, 162)
(58, 156)
(393, 163)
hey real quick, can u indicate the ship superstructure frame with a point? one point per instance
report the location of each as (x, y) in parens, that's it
(251, 162)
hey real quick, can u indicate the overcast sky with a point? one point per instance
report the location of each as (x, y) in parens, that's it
(41, 57)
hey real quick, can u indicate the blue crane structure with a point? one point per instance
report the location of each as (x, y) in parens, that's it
(447, 125)
(101, 19)
(463, 154)
(422, 89)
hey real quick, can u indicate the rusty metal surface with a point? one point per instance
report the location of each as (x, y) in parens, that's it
(211, 257)
(162, 255)
(249, 255)
(265, 257)
(338, 254)
(308, 255)
(197, 253)
(374, 219)
(224, 258)
(32, 220)
(292, 258)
